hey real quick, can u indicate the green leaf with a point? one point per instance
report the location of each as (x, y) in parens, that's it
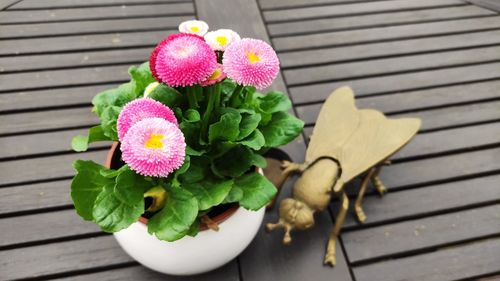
(255, 141)
(235, 195)
(192, 115)
(198, 170)
(112, 213)
(194, 228)
(121, 203)
(209, 192)
(114, 97)
(191, 131)
(86, 186)
(110, 173)
(80, 143)
(249, 122)
(108, 121)
(175, 219)
(282, 129)
(141, 77)
(257, 191)
(227, 128)
(238, 161)
(167, 95)
(274, 102)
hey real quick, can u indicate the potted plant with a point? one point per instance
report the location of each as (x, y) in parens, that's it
(181, 189)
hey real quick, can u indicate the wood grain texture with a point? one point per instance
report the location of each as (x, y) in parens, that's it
(354, 8)
(44, 168)
(399, 82)
(93, 13)
(35, 4)
(38, 99)
(373, 20)
(411, 235)
(31, 228)
(81, 42)
(32, 197)
(42, 143)
(228, 272)
(444, 168)
(416, 100)
(324, 73)
(453, 263)
(391, 48)
(420, 202)
(488, 4)
(40, 120)
(385, 33)
(90, 26)
(279, 4)
(64, 77)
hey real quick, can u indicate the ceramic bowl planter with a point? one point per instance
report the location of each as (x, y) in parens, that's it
(190, 255)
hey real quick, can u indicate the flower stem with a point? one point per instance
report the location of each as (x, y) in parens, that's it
(217, 92)
(249, 97)
(235, 95)
(210, 105)
(191, 94)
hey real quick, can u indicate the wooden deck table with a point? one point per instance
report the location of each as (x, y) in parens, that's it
(435, 59)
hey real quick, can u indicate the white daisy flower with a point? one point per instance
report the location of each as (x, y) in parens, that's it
(220, 39)
(197, 27)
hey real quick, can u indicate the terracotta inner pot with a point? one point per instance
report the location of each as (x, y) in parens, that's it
(113, 161)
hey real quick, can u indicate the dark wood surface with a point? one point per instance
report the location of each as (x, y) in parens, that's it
(438, 60)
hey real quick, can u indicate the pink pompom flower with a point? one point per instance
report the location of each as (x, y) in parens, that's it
(139, 109)
(182, 60)
(154, 147)
(251, 62)
(217, 76)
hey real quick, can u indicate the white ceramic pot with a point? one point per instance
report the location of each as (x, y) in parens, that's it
(192, 255)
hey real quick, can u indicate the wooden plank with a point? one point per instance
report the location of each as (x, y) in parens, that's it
(451, 140)
(123, 11)
(280, 4)
(324, 73)
(266, 257)
(375, 20)
(6, 3)
(354, 9)
(35, 4)
(439, 169)
(44, 168)
(488, 4)
(419, 202)
(37, 99)
(454, 263)
(456, 115)
(92, 26)
(430, 232)
(32, 197)
(88, 254)
(32, 228)
(385, 33)
(227, 273)
(64, 77)
(81, 43)
(399, 82)
(45, 120)
(42, 143)
(439, 118)
(416, 100)
(61, 257)
(384, 49)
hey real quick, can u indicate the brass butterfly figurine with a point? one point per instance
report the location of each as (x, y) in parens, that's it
(346, 142)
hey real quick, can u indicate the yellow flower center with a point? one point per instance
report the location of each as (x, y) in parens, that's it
(154, 141)
(222, 40)
(252, 57)
(217, 73)
(194, 28)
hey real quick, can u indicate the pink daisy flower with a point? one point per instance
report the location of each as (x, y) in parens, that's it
(217, 76)
(139, 109)
(182, 60)
(154, 147)
(251, 62)
(197, 27)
